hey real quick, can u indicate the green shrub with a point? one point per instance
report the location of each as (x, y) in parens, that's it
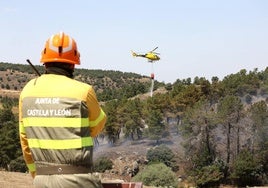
(18, 165)
(209, 176)
(158, 175)
(103, 163)
(162, 154)
(246, 170)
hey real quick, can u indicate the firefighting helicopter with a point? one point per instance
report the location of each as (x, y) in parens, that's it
(152, 56)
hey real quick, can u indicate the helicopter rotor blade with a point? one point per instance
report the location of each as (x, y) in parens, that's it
(154, 49)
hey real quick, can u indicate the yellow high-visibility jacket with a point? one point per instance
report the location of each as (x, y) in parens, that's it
(58, 116)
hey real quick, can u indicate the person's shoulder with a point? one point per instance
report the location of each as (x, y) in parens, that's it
(82, 84)
(30, 82)
(28, 86)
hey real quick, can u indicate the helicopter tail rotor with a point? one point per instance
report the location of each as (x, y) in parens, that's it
(134, 54)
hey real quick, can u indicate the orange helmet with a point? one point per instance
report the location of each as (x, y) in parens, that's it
(60, 48)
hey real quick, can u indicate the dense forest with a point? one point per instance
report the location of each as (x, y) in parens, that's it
(223, 123)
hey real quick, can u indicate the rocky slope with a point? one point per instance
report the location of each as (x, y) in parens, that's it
(128, 157)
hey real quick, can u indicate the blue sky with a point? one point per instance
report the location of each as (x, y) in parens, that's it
(201, 38)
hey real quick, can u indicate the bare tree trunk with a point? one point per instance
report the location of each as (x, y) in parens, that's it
(207, 140)
(238, 134)
(228, 147)
(253, 139)
(238, 140)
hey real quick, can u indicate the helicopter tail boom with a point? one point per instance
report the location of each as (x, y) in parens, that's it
(134, 54)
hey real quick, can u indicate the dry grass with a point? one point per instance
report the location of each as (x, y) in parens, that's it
(15, 180)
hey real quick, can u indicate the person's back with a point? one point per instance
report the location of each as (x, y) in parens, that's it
(59, 117)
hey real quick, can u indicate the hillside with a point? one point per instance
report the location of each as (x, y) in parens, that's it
(107, 84)
(124, 155)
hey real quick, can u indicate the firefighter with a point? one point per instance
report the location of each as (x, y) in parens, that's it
(58, 120)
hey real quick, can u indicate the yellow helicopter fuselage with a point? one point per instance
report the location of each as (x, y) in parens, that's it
(152, 56)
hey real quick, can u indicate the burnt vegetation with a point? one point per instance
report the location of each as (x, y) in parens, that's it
(217, 130)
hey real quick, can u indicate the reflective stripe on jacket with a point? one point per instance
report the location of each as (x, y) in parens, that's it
(58, 118)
